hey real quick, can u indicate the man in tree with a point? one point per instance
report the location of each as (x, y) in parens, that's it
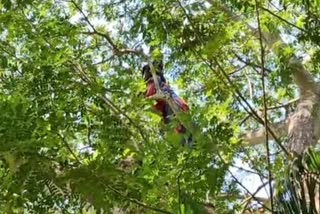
(162, 107)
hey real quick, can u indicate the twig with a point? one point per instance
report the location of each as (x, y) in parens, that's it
(242, 186)
(247, 200)
(89, 133)
(104, 60)
(65, 143)
(248, 192)
(106, 36)
(252, 111)
(285, 105)
(116, 50)
(273, 5)
(282, 19)
(249, 84)
(245, 170)
(262, 54)
(237, 70)
(245, 119)
(6, 50)
(249, 63)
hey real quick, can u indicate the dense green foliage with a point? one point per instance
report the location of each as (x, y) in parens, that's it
(77, 135)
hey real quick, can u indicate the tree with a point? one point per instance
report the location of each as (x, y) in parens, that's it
(77, 136)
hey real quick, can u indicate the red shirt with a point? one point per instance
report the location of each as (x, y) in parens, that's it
(161, 105)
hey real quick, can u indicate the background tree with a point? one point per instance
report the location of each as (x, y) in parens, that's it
(77, 136)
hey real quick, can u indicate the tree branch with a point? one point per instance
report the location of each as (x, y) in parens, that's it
(249, 63)
(249, 199)
(265, 110)
(106, 36)
(251, 195)
(282, 19)
(116, 50)
(285, 105)
(258, 136)
(280, 129)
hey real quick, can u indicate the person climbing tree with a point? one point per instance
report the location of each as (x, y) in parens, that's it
(162, 107)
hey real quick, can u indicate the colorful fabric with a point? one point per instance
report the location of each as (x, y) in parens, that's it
(151, 90)
(162, 106)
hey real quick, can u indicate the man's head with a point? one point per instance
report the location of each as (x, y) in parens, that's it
(146, 71)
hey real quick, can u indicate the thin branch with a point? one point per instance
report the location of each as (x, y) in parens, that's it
(89, 129)
(247, 200)
(265, 110)
(285, 105)
(118, 110)
(116, 50)
(245, 119)
(249, 63)
(104, 60)
(248, 192)
(65, 143)
(238, 70)
(252, 111)
(276, 7)
(249, 84)
(106, 36)
(132, 200)
(240, 184)
(282, 19)
(12, 53)
(245, 170)
(256, 137)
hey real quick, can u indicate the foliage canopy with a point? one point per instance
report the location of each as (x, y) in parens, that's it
(76, 133)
